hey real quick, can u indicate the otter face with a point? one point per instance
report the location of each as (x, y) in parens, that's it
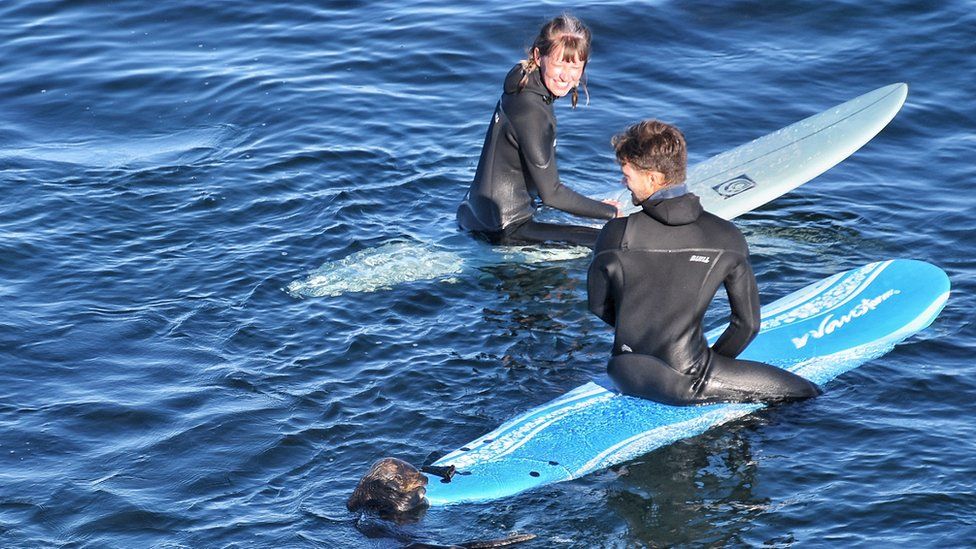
(391, 487)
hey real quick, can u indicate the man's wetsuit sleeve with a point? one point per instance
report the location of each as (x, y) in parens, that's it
(604, 268)
(740, 284)
(537, 141)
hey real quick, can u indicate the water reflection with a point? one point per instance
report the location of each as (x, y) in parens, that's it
(696, 492)
(539, 317)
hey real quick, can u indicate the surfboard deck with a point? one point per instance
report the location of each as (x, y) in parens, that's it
(819, 332)
(750, 175)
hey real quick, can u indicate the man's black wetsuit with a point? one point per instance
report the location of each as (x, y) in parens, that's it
(653, 276)
(518, 163)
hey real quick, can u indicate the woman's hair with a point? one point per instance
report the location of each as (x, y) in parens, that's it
(569, 33)
(653, 145)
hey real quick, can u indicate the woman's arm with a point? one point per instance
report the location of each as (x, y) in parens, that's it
(537, 144)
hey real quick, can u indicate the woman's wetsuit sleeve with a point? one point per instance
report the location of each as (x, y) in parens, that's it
(537, 142)
(603, 270)
(740, 284)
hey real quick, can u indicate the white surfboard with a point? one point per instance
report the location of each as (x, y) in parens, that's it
(729, 185)
(746, 177)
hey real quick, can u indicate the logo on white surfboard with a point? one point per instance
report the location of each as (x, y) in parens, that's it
(830, 324)
(734, 186)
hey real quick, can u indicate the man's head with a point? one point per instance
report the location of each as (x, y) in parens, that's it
(393, 488)
(652, 156)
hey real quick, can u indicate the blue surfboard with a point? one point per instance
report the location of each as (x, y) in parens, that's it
(818, 332)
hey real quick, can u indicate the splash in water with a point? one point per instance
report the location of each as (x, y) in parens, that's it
(388, 265)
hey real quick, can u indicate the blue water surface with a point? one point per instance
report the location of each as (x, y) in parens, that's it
(169, 168)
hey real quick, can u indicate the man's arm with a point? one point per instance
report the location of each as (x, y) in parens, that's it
(740, 285)
(604, 269)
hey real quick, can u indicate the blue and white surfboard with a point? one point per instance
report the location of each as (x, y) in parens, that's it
(819, 332)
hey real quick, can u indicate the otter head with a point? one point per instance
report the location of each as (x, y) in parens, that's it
(392, 488)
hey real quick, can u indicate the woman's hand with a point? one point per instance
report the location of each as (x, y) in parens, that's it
(615, 204)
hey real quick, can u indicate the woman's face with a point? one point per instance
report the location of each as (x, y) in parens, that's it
(559, 76)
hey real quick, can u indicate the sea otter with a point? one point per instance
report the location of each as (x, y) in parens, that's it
(393, 489)
(396, 491)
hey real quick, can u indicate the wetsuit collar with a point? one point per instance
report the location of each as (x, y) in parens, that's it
(668, 192)
(673, 206)
(547, 95)
(534, 83)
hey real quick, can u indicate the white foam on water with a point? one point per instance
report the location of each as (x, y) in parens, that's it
(388, 265)
(537, 254)
(378, 268)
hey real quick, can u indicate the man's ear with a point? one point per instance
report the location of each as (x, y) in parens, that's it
(658, 180)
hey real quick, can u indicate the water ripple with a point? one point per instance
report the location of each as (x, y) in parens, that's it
(176, 174)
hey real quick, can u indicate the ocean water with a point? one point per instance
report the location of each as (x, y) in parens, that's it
(170, 170)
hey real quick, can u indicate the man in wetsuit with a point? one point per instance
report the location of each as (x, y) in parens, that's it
(518, 159)
(653, 276)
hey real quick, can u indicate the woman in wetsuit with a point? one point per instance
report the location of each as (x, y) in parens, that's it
(653, 276)
(518, 160)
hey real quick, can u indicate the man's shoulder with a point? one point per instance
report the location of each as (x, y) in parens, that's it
(720, 222)
(709, 216)
(611, 235)
(725, 231)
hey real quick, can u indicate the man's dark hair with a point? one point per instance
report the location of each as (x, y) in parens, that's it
(656, 146)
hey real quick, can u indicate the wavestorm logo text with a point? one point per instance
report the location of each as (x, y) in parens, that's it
(831, 324)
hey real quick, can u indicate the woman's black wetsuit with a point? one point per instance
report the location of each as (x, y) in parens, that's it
(653, 276)
(518, 163)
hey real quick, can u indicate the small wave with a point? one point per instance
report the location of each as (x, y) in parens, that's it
(181, 147)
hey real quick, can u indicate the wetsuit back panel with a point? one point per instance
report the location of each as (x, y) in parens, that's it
(660, 277)
(653, 277)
